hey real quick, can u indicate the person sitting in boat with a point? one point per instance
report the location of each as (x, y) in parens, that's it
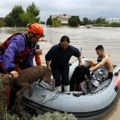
(57, 59)
(80, 74)
(105, 61)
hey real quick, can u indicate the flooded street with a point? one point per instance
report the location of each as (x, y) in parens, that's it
(86, 39)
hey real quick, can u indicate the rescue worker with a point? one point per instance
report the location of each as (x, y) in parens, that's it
(17, 53)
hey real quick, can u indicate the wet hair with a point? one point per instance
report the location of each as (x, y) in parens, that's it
(65, 38)
(99, 47)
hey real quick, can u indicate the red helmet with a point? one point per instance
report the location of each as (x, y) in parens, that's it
(36, 29)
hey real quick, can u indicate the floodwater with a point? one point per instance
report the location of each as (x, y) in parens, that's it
(86, 39)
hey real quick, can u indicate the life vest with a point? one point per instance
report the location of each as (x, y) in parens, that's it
(20, 56)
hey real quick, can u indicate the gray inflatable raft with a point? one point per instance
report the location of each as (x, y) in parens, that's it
(84, 106)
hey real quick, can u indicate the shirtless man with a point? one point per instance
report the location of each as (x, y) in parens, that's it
(106, 62)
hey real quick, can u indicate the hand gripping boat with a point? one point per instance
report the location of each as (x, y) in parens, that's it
(84, 106)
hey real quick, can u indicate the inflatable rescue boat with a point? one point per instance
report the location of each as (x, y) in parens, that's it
(84, 105)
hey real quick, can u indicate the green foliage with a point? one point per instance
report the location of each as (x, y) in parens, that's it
(55, 22)
(33, 10)
(85, 21)
(100, 21)
(74, 21)
(2, 24)
(31, 15)
(49, 21)
(21, 114)
(42, 22)
(55, 116)
(10, 117)
(46, 116)
(18, 17)
(114, 24)
(13, 18)
(9, 20)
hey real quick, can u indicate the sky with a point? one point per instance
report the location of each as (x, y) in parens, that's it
(91, 9)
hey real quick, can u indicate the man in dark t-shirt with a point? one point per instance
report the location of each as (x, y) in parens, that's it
(57, 59)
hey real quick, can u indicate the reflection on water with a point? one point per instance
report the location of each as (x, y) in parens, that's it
(86, 40)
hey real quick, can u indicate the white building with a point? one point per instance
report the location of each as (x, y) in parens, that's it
(63, 18)
(114, 20)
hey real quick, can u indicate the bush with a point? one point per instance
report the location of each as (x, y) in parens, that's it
(7, 116)
(2, 24)
(55, 116)
(46, 116)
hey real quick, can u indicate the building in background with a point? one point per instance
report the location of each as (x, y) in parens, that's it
(114, 20)
(63, 18)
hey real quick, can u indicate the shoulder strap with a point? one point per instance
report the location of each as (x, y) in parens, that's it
(5, 44)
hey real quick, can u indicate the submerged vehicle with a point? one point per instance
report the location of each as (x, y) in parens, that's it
(86, 105)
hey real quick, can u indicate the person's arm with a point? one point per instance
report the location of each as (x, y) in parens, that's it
(78, 55)
(9, 55)
(48, 64)
(80, 61)
(16, 46)
(38, 59)
(98, 65)
(38, 52)
(49, 56)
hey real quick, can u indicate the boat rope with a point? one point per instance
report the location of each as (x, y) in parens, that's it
(42, 84)
(53, 98)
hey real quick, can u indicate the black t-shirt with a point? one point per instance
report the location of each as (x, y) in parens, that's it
(60, 58)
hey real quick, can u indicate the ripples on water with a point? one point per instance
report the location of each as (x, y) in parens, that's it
(86, 39)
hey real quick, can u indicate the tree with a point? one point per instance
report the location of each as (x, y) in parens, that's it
(13, 18)
(2, 23)
(85, 21)
(18, 17)
(9, 20)
(42, 22)
(31, 15)
(100, 21)
(55, 22)
(49, 21)
(74, 21)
